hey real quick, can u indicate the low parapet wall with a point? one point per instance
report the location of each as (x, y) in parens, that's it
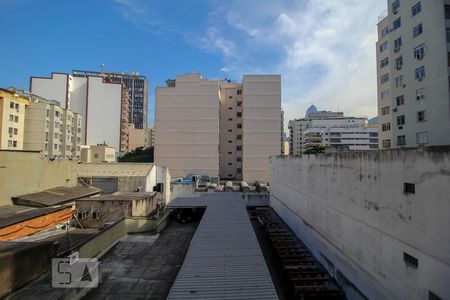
(379, 220)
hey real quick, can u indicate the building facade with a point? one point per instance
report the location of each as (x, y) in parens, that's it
(150, 137)
(52, 130)
(333, 131)
(12, 120)
(137, 88)
(413, 80)
(98, 154)
(136, 138)
(90, 97)
(218, 128)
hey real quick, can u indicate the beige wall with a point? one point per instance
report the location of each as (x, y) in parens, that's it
(17, 123)
(24, 172)
(261, 124)
(98, 154)
(136, 138)
(187, 126)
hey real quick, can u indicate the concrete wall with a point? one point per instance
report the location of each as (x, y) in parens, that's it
(52, 88)
(24, 172)
(261, 124)
(351, 208)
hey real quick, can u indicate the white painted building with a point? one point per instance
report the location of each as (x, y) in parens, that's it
(98, 101)
(413, 76)
(377, 220)
(216, 127)
(332, 130)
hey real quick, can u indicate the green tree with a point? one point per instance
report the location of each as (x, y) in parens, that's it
(139, 154)
(315, 149)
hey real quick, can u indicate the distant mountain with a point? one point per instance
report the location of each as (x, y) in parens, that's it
(373, 121)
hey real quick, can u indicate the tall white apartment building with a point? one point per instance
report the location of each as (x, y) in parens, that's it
(97, 99)
(52, 130)
(413, 76)
(217, 127)
(332, 130)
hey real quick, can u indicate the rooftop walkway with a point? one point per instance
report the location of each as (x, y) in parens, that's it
(224, 260)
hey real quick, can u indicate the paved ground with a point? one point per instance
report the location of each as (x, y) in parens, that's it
(142, 266)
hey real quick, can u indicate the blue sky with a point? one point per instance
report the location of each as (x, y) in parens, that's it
(324, 49)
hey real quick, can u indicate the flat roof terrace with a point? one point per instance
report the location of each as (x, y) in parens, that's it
(224, 260)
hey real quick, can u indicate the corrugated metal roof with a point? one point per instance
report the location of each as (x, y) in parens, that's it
(114, 169)
(224, 260)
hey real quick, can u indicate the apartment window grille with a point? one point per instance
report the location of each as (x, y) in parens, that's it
(385, 110)
(422, 138)
(399, 81)
(399, 63)
(421, 116)
(420, 94)
(419, 51)
(397, 23)
(401, 120)
(417, 30)
(397, 44)
(400, 100)
(385, 94)
(417, 8)
(384, 62)
(401, 140)
(395, 6)
(420, 73)
(386, 126)
(410, 260)
(385, 78)
(383, 46)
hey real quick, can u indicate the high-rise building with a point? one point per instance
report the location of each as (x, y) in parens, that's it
(218, 127)
(150, 136)
(331, 130)
(52, 130)
(137, 87)
(97, 99)
(12, 120)
(413, 79)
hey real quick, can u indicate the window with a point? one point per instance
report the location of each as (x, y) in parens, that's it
(416, 8)
(16, 131)
(420, 94)
(11, 118)
(230, 130)
(422, 138)
(383, 46)
(399, 63)
(10, 130)
(82, 215)
(55, 135)
(401, 120)
(400, 100)
(397, 44)
(48, 113)
(385, 31)
(395, 6)
(239, 103)
(230, 152)
(14, 144)
(448, 35)
(16, 119)
(410, 260)
(96, 155)
(229, 141)
(239, 125)
(96, 214)
(385, 94)
(239, 170)
(386, 126)
(55, 146)
(239, 136)
(447, 12)
(421, 116)
(239, 148)
(399, 81)
(417, 30)
(385, 110)
(230, 119)
(11, 104)
(448, 59)
(230, 108)
(46, 136)
(57, 113)
(420, 73)
(386, 143)
(385, 78)
(384, 62)
(397, 23)
(230, 97)
(239, 114)
(239, 92)
(230, 164)
(419, 51)
(239, 159)
(56, 125)
(10, 143)
(401, 140)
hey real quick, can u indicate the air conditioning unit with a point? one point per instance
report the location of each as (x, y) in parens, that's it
(400, 127)
(396, 50)
(394, 109)
(419, 56)
(404, 85)
(399, 67)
